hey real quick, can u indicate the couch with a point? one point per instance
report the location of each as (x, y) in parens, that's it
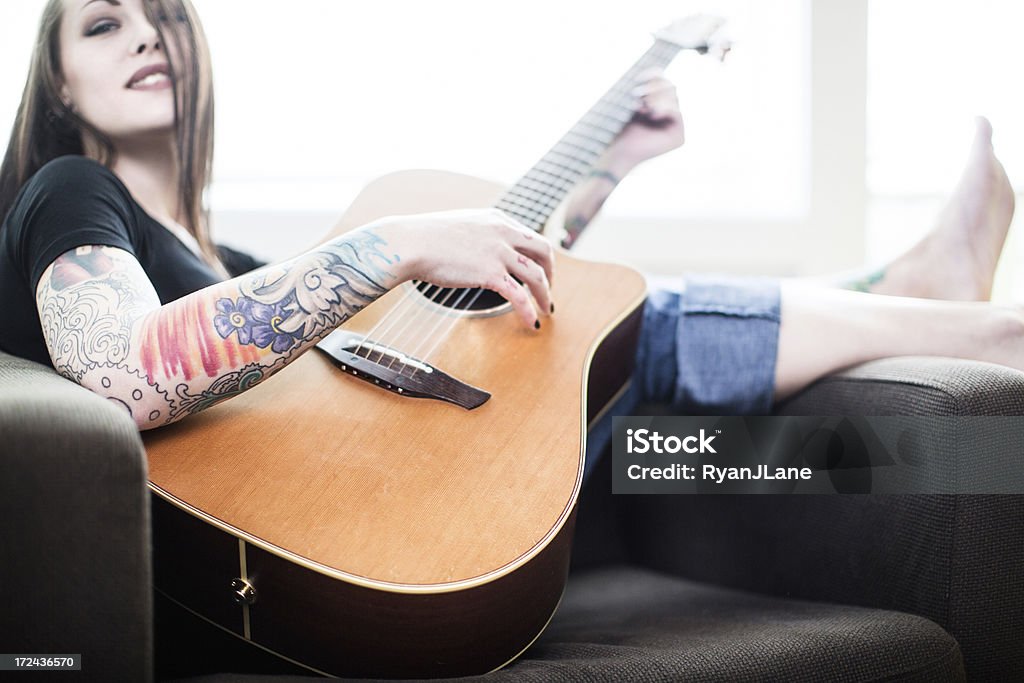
(661, 588)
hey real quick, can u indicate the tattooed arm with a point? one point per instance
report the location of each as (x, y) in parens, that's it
(657, 128)
(105, 328)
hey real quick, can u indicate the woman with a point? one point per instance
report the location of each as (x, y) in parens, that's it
(109, 272)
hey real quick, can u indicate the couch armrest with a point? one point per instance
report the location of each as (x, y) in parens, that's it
(958, 560)
(74, 526)
(914, 386)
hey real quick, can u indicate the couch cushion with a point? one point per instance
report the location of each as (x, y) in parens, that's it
(625, 623)
(74, 527)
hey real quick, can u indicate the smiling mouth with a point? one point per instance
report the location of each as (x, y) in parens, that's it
(155, 81)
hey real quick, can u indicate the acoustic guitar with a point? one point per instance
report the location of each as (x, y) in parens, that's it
(399, 504)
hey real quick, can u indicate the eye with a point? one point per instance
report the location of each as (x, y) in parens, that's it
(101, 27)
(164, 18)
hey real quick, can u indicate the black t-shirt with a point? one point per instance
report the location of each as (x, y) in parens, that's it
(74, 201)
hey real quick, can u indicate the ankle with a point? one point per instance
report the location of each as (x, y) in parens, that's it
(1007, 331)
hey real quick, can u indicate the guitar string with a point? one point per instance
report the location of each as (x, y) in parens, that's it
(394, 343)
(618, 100)
(619, 115)
(379, 338)
(454, 318)
(442, 304)
(630, 104)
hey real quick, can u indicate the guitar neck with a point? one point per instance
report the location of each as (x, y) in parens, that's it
(535, 196)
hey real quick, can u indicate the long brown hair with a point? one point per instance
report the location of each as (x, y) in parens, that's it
(46, 128)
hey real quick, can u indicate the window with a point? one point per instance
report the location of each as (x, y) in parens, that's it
(933, 66)
(317, 97)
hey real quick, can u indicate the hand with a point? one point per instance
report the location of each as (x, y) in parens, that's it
(656, 128)
(475, 248)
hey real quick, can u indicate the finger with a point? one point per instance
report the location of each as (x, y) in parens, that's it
(532, 245)
(530, 273)
(662, 115)
(651, 87)
(516, 294)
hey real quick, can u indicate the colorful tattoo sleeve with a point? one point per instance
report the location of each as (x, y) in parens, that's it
(105, 327)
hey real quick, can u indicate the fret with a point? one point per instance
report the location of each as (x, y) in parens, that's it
(526, 216)
(536, 195)
(577, 165)
(599, 136)
(525, 209)
(557, 182)
(538, 187)
(586, 144)
(597, 128)
(530, 205)
(585, 154)
(558, 189)
(547, 203)
(538, 202)
(568, 178)
(557, 169)
(617, 114)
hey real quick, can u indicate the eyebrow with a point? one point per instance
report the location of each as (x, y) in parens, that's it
(115, 3)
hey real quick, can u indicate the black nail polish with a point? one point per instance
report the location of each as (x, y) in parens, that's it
(536, 324)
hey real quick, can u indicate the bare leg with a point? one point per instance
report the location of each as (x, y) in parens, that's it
(825, 330)
(957, 259)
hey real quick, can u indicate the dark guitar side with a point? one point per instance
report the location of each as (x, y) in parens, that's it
(408, 596)
(342, 629)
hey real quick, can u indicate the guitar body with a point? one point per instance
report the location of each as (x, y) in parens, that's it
(380, 535)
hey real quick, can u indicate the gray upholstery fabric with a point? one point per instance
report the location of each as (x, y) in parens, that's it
(628, 624)
(75, 576)
(74, 527)
(984, 534)
(914, 386)
(958, 560)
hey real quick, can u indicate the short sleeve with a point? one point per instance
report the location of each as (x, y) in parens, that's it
(237, 262)
(70, 202)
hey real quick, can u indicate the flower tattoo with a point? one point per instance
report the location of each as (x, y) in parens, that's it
(255, 323)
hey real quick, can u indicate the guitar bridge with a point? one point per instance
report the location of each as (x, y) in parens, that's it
(396, 372)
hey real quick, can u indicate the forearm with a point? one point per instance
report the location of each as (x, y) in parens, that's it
(589, 196)
(177, 359)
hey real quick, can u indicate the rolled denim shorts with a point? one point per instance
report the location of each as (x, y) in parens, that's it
(707, 346)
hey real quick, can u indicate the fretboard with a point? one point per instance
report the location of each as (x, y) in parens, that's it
(535, 196)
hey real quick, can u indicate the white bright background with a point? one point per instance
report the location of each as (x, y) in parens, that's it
(317, 97)
(933, 65)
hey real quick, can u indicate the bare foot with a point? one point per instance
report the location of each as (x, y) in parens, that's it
(957, 259)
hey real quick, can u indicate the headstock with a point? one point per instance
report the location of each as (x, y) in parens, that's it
(700, 32)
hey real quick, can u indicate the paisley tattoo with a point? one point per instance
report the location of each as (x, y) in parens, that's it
(323, 290)
(226, 386)
(88, 325)
(106, 329)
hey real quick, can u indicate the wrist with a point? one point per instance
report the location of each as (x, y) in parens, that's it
(615, 165)
(391, 241)
(605, 174)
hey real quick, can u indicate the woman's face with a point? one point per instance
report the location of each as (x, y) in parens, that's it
(116, 73)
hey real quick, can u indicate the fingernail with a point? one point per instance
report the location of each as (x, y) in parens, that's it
(552, 308)
(536, 324)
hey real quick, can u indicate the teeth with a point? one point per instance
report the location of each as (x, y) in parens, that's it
(150, 80)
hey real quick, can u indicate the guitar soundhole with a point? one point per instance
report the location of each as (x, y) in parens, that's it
(461, 299)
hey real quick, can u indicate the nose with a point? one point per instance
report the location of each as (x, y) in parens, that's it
(143, 46)
(148, 39)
